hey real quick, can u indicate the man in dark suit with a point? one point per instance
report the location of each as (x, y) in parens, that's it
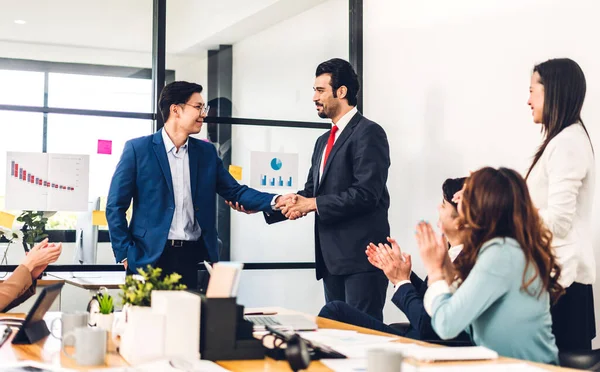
(409, 288)
(173, 180)
(346, 188)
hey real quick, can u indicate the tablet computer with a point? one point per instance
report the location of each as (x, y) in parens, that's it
(34, 327)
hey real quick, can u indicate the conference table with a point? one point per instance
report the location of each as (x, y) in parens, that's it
(48, 351)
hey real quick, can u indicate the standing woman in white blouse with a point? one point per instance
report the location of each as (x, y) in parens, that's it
(561, 182)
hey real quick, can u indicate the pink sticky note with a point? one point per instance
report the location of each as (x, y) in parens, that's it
(104, 147)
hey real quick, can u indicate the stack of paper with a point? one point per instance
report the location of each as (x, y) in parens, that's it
(350, 343)
(433, 354)
(171, 365)
(360, 365)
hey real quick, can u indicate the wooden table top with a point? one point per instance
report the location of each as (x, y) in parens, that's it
(49, 351)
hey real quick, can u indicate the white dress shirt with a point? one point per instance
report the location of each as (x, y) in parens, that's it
(562, 186)
(453, 252)
(341, 124)
(183, 225)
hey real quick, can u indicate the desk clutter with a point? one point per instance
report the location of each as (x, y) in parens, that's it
(163, 365)
(181, 330)
(176, 325)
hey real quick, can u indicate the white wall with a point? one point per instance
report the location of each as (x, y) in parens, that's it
(273, 75)
(449, 83)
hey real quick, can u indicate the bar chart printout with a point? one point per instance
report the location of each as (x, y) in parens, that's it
(274, 170)
(47, 182)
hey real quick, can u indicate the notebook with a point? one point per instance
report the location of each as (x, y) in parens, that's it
(438, 354)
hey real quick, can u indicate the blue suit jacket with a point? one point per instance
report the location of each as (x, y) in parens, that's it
(143, 174)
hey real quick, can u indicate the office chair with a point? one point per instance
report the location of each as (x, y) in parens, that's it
(401, 327)
(585, 359)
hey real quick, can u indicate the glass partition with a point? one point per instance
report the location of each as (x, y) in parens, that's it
(96, 84)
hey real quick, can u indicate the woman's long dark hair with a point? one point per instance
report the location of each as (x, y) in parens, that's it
(564, 93)
(496, 203)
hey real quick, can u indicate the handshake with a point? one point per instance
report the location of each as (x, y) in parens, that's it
(292, 206)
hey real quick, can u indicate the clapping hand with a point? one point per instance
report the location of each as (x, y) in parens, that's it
(40, 256)
(434, 250)
(395, 264)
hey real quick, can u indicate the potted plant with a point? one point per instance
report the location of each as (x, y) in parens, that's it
(34, 224)
(137, 290)
(105, 317)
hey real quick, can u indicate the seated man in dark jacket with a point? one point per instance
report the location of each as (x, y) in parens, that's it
(409, 288)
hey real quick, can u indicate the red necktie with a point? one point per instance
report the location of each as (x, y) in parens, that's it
(330, 142)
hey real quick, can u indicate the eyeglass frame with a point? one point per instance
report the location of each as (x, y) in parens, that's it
(203, 110)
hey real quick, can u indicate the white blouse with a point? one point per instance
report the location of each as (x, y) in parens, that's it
(562, 186)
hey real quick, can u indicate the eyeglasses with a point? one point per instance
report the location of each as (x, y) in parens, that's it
(202, 109)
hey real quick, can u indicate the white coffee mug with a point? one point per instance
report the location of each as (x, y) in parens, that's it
(90, 346)
(69, 322)
(384, 360)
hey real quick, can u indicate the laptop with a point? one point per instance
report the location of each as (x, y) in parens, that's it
(295, 322)
(34, 327)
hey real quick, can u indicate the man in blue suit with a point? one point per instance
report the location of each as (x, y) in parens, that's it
(409, 288)
(173, 180)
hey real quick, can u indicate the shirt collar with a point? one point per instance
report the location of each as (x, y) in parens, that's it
(169, 145)
(344, 120)
(453, 252)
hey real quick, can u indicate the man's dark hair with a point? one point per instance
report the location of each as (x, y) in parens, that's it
(450, 187)
(177, 92)
(342, 74)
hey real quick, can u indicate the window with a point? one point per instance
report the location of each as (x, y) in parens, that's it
(99, 92)
(125, 102)
(74, 134)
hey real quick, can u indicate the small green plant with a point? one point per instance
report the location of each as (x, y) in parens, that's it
(105, 302)
(4, 238)
(138, 292)
(34, 224)
(14, 236)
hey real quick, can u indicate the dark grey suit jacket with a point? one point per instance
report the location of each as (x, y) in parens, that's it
(352, 197)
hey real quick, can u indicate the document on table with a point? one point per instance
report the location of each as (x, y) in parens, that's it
(357, 365)
(28, 366)
(360, 365)
(433, 354)
(172, 365)
(350, 343)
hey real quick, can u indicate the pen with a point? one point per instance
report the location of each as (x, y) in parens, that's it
(5, 335)
(208, 267)
(262, 313)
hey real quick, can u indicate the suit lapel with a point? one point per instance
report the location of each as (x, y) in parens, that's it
(317, 169)
(161, 154)
(346, 133)
(194, 156)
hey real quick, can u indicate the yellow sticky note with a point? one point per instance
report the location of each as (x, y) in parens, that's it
(99, 218)
(236, 172)
(6, 220)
